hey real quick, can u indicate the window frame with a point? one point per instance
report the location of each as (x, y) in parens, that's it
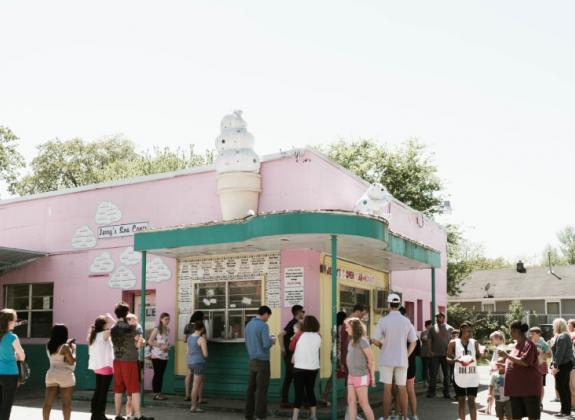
(558, 302)
(226, 310)
(490, 304)
(29, 311)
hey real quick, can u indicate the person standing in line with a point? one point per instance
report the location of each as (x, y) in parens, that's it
(306, 366)
(522, 377)
(11, 352)
(284, 338)
(160, 344)
(361, 367)
(101, 361)
(258, 345)
(411, 372)
(425, 354)
(497, 393)
(543, 353)
(571, 331)
(340, 370)
(197, 356)
(391, 334)
(60, 376)
(126, 340)
(463, 353)
(189, 330)
(562, 365)
(438, 339)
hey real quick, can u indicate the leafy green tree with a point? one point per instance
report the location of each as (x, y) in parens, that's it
(483, 323)
(73, 163)
(516, 311)
(407, 171)
(567, 243)
(10, 159)
(551, 252)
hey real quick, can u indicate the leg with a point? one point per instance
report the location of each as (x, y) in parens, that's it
(263, 382)
(461, 407)
(572, 386)
(96, 397)
(163, 365)
(351, 402)
(402, 398)
(129, 408)
(298, 380)
(118, 404)
(562, 386)
(412, 398)
(49, 398)
(363, 399)
(433, 368)
(198, 380)
(425, 368)
(251, 391)
(156, 379)
(136, 407)
(287, 378)
(446, 375)
(472, 407)
(310, 392)
(327, 390)
(188, 384)
(8, 384)
(66, 397)
(386, 400)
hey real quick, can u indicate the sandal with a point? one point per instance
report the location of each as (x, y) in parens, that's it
(196, 410)
(159, 398)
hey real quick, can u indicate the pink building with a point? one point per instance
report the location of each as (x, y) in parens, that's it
(68, 256)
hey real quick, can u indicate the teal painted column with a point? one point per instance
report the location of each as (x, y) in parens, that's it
(433, 303)
(334, 326)
(143, 319)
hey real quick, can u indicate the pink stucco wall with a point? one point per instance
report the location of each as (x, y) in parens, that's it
(306, 182)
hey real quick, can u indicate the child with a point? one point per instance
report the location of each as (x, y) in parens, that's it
(496, 385)
(297, 329)
(543, 353)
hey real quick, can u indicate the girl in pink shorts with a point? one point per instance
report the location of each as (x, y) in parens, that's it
(361, 368)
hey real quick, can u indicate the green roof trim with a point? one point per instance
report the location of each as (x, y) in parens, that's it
(281, 224)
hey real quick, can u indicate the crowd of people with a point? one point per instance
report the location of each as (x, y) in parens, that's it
(518, 368)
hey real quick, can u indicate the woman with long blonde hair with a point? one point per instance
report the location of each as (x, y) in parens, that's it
(361, 368)
(562, 364)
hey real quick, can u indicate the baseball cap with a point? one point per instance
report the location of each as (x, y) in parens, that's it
(393, 298)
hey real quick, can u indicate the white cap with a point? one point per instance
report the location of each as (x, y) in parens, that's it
(393, 298)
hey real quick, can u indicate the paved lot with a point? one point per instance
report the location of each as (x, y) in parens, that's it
(429, 409)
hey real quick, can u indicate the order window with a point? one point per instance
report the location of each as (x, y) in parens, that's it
(351, 296)
(34, 304)
(228, 306)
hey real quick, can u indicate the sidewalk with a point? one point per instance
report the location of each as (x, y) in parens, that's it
(28, 407)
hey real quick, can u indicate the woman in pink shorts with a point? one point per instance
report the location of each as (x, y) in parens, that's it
(361, 369)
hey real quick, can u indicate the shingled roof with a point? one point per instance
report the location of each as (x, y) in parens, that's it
(507, 283)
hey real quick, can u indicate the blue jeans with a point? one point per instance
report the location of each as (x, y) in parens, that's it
(436, 361)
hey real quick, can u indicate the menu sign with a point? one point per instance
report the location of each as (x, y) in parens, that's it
(293, 286)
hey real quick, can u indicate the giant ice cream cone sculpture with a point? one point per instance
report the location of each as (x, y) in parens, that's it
(238, 166)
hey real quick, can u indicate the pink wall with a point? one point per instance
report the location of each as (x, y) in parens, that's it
(309, 182)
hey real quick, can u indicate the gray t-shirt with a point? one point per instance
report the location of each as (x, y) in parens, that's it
(123, 338)
(424, 337)
(355, 359)
(440, 336)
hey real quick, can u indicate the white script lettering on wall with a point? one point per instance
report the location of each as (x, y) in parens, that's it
(157, 271)
(84, 238)
(130, 257)
(103, 263)
(117, 231)
(293, 286)
(123, 278)
(107, 213)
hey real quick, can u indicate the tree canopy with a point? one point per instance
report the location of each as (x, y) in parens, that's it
(73, 163)
(407, 171)
(10, 159)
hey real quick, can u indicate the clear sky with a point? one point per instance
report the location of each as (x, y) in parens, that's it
(488, 85)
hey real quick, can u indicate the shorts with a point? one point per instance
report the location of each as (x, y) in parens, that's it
(388, 373)
(60, 378)
(197, 369)
(503, 409)
(358, 381)
(525, 407)
(126, 377)
(464, 392)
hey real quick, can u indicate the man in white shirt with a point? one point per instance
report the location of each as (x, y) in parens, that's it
(391, 334)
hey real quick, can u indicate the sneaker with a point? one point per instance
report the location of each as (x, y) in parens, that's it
(119, 418)
(144, 418)
(414, 418)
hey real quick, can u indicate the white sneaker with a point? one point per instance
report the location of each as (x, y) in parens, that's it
(414, 418)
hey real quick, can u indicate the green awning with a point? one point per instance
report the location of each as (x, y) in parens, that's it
(361, 239)
(11, 258)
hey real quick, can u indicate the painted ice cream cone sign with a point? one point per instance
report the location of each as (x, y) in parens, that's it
(375, 201)
(238, 166)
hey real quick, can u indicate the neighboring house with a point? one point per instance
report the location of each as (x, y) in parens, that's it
(540, 292)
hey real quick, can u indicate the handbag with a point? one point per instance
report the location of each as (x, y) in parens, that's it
(23, 372)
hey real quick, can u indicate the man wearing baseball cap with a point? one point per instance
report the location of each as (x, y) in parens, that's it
(391, 334)
(437, 342)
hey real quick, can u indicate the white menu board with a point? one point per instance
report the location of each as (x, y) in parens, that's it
(293, 286)
(229, 267)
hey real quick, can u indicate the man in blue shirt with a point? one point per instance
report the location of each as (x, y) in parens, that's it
(258, 344)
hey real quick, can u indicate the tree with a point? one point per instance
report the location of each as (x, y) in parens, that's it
(10, 159)
(567, 243)
(73, 163)
(515, 312)
(407, 171)
(483, 323)
(551, 252)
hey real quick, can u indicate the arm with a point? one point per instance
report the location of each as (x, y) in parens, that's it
(412, 338)
(429, 342)
(267, 343)
(18, 350)
(370, 364)
(152, 340)
(69, 352)
(203, 346)
(451, 353)
(378, 338)
(478, 354)
(411, 348)
(515, 360)
(281, 336)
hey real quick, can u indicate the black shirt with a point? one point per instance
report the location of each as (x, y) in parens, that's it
(411, 369)
(289, 333)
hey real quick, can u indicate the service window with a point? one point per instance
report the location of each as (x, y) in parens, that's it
(34, 304)
(228, 306)
(351, 296)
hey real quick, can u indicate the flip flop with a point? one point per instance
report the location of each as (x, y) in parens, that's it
(197, 410)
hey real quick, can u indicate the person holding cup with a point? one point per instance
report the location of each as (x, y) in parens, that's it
(258, 344)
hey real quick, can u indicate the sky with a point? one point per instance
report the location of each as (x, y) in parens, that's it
(489, 86)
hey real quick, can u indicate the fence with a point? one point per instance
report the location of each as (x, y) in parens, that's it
(531, 319)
